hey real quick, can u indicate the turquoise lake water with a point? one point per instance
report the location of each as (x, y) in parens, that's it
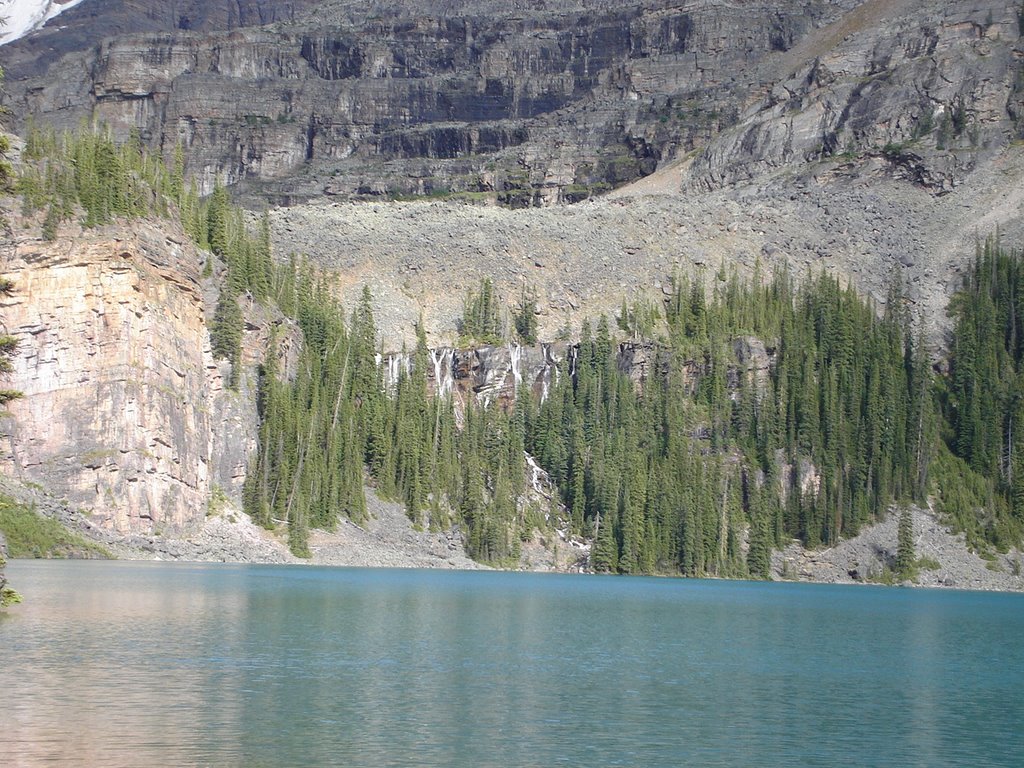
(125, 664)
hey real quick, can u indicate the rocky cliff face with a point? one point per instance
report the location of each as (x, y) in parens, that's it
(876, 141)
(533, 103)
(89, 21)
(117, 376)
(500, 374)
(523, 103)
(873, 139)
(928, 87)
(125, 411)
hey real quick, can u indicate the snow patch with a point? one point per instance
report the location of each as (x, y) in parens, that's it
(24, 16)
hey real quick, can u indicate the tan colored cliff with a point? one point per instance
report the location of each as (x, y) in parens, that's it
(120, 388)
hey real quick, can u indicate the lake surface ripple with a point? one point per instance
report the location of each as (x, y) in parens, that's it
(142, 664)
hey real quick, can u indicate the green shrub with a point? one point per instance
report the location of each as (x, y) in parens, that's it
(30, 535)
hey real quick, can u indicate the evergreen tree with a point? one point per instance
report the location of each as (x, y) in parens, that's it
(670, 472)
(481, 315)
(8, 348)
(50, 222)
(226, 333)
(218, 217)
(525, 319)
(906, 559)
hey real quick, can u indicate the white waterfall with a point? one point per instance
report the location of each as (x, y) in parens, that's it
(394, 364)
(444, 380)
(545, 377)
(515, 353)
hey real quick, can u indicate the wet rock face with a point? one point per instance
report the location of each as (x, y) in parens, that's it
(498, 374)
(754, 361)
(487, 373)
(544, 103)
(644, 360)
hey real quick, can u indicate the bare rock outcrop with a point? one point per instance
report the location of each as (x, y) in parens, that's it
(117, 375)
(527, 104)
(871, 555)
(125, 411)
(928, 87)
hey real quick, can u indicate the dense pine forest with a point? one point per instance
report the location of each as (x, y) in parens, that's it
(702, 467)
(676, 475)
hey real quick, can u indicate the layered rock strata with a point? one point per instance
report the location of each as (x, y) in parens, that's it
(525, 104)
(537, 103)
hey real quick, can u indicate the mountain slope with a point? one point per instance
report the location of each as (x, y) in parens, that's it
(874, 139)
(553, 101)
(881, 148)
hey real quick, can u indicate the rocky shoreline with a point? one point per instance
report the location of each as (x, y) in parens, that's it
(389, 540)
(865, 558)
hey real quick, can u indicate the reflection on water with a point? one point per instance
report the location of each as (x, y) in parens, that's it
(111, 665)
(157, 664)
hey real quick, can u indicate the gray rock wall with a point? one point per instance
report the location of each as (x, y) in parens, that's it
(537, 104)
(928, 87)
